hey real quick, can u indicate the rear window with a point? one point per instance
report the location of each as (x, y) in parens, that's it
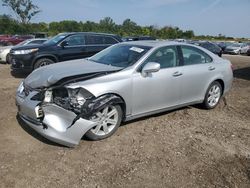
(109, 40)
(94, 39)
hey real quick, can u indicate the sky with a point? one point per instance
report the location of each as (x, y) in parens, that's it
(204, 17)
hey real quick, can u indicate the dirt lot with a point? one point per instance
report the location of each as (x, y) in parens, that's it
(189, 147)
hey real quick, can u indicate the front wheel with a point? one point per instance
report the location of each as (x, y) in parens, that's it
(42, 62)
(213, 95)
(108, 120)
(8, 58)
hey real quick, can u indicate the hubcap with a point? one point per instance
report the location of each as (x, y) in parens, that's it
(106, 121)
(214, 95)
(44, 63)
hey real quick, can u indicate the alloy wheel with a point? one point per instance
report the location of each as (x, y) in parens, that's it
(106, 119)
(214, 95)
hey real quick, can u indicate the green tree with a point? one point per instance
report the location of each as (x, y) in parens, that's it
(23, 9)
(130, 28)
(8, 25)
(107, 25)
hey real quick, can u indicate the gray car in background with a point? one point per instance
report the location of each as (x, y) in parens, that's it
(92, 97)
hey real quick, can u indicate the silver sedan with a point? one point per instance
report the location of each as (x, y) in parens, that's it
(92, 97)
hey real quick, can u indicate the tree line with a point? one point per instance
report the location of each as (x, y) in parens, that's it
(25, 10)
(8, 25)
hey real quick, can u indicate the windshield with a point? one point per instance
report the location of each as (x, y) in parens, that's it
(55, 39)
(235, 45)
(121, 55)
(22, 43)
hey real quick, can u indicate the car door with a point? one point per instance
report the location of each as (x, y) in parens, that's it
(197, 70)
(160, 89)
(73, 47)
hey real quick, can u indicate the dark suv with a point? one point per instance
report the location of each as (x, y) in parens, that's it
(62, 47)
(211, 47)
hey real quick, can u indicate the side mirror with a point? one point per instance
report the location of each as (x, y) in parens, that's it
(150, 67)
(64, 43)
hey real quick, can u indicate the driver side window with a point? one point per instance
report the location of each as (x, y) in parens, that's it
(165, 56)
(75, 40)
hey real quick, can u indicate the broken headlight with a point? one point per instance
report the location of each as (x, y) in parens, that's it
(71, 99)
(76, 98)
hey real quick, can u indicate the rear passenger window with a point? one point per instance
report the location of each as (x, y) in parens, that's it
(193, 56)
(94, 40)
(165, 56)
(109, 40)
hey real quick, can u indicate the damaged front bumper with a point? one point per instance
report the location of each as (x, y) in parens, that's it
(56, 124)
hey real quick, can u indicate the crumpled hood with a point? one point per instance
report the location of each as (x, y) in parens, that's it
(50, 74)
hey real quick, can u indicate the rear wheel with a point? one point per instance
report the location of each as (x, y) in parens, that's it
(213, 95)
(108, 120)
(43, 62)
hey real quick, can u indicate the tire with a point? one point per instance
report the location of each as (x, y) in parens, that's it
(8, 60)
(98, 132)
(42, 62)
(213, 95)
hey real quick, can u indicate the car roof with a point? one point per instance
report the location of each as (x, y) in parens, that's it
(154, 43)
(73, 33)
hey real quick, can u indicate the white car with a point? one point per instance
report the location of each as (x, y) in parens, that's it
(4, 51)
(245, 48)
(235, 48)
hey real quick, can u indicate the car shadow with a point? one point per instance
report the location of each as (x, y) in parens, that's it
(161, 114)
(33, 133)
(19, 75)
(243, 73)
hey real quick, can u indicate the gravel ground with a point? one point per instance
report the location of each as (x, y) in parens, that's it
(188, 147)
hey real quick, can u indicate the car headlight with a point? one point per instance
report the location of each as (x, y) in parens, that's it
(71, 98)
(20, 88)
(22, 52)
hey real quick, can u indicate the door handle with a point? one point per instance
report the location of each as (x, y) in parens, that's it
(211, 68)
(177, 73)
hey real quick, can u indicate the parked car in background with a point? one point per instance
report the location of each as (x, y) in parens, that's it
(248, 52)
(212, 47)
(2, 37)
(136, 38)
(40, 34)
(91, 97)
(235, 48)
(14, 40)
(5, 51)
(245, 48)
(63, 47)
